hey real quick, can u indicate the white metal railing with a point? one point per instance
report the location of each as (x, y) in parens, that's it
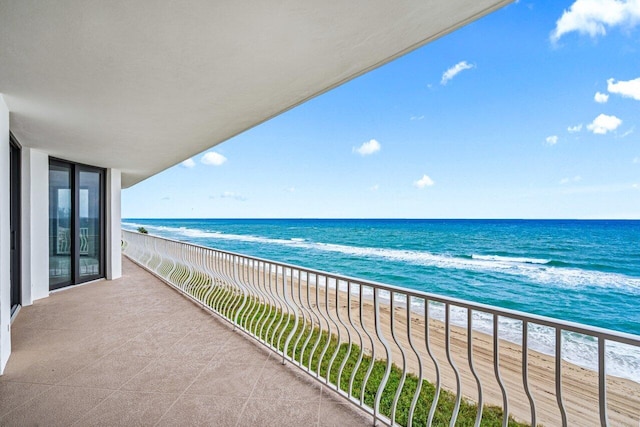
(406, 357)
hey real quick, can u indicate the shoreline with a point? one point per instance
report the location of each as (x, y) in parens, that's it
(459, 320)
(579, 384)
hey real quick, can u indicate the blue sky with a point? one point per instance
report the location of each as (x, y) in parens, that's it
(530, 112)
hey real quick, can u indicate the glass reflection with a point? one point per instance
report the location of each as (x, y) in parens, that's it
(60, 242)
(89, 223)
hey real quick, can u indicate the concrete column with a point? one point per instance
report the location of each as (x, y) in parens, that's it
(114, 249)
(35, 225)
(5, 238)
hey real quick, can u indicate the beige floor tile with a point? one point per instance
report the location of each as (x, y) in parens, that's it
(280, 413)
(210, 321)
(109, 372)
(197, 345)
(335, 413)
(131, 409)
(34, 317)
(131, 325)
(229, 379)
(16, 394)
(151, 343)
(103, 342)
(204, 411)
(58, 406)
(280, 382)
(165, 375)
(45, 367)
(49, 340)
(240, 349)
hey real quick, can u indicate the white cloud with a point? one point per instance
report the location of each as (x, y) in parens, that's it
(374, 187)
(416, 118)
(214, 159)
(575, 129)
(603, 124)
(368, 148)
(455, 70)
(423, 182)
(576, 178)
(552, 140)
(189, 163)
(628, 89)
(593, 16)
(232, 195)
(601, 98)
(627, 133)
(290, 189)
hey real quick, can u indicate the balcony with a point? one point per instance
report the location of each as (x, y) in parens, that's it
(403, 356)
(135, 352)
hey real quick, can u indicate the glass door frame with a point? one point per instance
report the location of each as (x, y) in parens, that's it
(76, 278)
(15, 222)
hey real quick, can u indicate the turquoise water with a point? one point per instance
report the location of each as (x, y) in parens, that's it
(581, 271)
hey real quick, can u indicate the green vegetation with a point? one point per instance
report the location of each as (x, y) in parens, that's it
(142, 230)
(321, 353)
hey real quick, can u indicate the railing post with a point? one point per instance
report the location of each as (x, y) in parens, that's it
(602, 381)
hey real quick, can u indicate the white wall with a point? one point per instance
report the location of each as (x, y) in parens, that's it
(35, 225)
(35, 229)
(114, 259)
(5, 242)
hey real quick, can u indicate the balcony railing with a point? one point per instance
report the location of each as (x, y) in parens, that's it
(406, 357)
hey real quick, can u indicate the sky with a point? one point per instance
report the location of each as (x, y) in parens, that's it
(530, 112)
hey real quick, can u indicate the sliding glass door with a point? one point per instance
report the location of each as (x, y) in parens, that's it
(76, 223)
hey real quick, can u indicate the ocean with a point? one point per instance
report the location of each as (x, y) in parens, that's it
(581, 271)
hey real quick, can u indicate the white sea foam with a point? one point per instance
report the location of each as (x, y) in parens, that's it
(533, 269)
(518, 260)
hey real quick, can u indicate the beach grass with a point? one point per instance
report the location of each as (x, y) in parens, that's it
(321, 353)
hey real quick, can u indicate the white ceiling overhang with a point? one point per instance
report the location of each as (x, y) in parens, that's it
(142, 85)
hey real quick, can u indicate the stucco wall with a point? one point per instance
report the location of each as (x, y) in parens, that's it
(35, 225)
(114, 260)
(5, 242)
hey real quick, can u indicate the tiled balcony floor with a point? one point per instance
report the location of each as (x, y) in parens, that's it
(133, 352)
